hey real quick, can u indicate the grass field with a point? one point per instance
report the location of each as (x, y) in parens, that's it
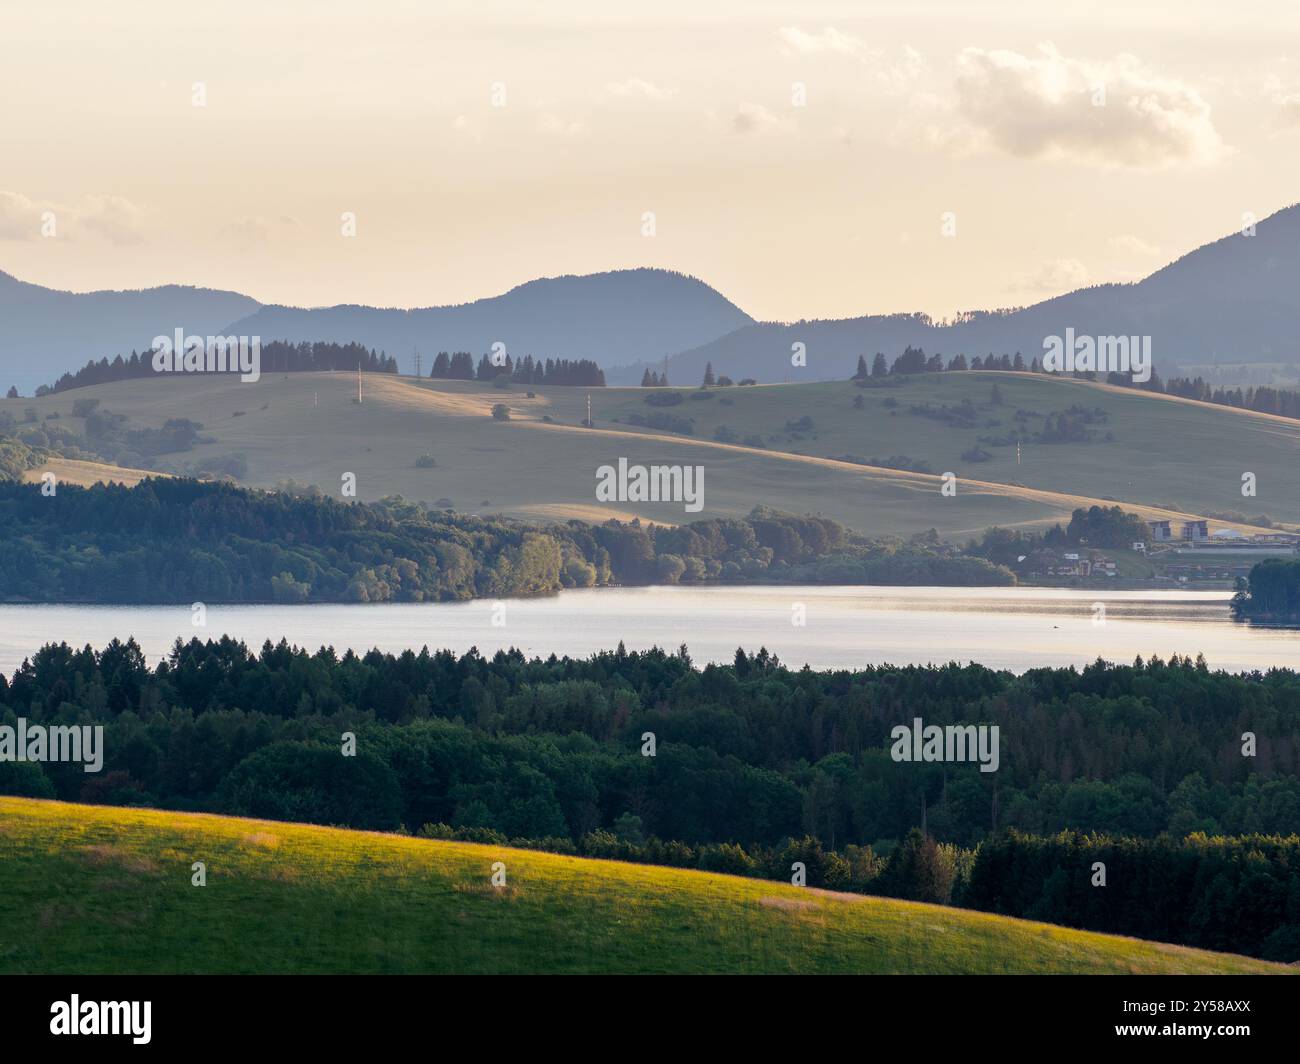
(1168, 458)
(87, 889)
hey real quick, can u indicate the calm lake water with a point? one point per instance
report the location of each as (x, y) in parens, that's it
(1011, 628)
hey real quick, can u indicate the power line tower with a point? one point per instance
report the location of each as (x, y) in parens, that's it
(589, 425)
(416, 356)
(358, 380)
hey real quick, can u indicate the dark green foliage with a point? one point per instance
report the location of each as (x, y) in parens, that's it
(175, 540)
(1240, 895)
(315, 783)
(1272, 591)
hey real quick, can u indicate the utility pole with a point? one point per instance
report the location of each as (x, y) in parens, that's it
(416, 356)
(358, 380)
(589, 410)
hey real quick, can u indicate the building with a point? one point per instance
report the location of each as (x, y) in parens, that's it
(1160, 531)
(1196, 531)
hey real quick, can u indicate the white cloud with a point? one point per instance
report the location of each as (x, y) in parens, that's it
(1053, 278)
(552, 125)
(639, 88)
(755, 118)
(256, 229)
(1134, 245)
(828, 40)
(20, 218)
(116, 219)
(1046, 106)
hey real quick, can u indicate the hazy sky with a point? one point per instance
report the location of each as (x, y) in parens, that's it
(1074, 142)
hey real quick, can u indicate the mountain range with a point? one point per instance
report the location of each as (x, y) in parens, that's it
(1235, 299)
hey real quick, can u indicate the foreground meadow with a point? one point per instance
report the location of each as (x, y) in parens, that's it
(90, 889)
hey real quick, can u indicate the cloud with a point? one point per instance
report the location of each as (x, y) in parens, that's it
(1134, 245)
(552, 125)
(755, 118)
(1286, 109)
(828, 40)
(1048, 106)
(255, 229)
(20, 217)
(1053, 278)
(639, 88)
(116, 219)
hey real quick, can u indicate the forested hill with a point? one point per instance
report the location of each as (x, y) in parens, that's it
(180, 541)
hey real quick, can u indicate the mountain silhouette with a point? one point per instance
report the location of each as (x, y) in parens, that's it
(614, 318)
(1234, 300)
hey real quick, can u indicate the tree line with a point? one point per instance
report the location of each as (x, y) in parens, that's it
(176, 540)
(459, 366)
(1284, 402)
(277, 356)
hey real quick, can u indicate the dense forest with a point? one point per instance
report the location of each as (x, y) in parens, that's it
(753, 766)
(180, 541)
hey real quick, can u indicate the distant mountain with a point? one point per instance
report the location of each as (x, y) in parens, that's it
(614, 318)
(1237, 299)
(45, 332)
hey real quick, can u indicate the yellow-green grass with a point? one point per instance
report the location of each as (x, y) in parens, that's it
(306, 427)
(73, 471)
(87, 889)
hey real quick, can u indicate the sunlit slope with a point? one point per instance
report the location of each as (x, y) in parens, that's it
(71, 471)
(307, 427)
(91, 889)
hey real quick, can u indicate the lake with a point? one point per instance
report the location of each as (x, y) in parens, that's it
(843, 627)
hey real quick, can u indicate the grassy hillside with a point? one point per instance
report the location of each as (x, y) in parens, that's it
(72, 471)
(306, 427)
(91, 889)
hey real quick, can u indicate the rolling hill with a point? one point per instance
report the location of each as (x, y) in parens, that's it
(1231, 300)
(1168, 457)
(96, 889)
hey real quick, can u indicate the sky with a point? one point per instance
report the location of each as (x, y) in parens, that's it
(808, 160)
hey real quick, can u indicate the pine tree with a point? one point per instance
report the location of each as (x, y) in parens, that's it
(862, 368)
(709, 379)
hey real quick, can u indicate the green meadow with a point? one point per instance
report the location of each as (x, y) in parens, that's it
(92, 889)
